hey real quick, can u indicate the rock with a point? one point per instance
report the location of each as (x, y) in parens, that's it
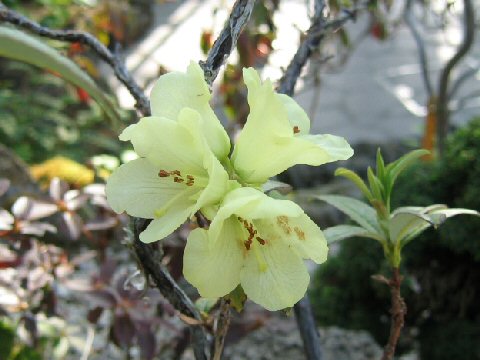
(279, 339)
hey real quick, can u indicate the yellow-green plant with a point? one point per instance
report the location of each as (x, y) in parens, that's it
(393, 229)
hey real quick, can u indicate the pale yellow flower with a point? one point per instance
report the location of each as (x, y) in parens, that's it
(258, 242)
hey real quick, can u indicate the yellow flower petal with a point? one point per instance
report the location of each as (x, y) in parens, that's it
(176, 90)
(214, 270)
(136, 188)
(275, 136)
(279, 284)
(163, 226)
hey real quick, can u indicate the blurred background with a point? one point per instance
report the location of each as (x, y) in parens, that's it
(69, 285)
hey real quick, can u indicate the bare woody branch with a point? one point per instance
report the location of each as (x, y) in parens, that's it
(227, 40)
(422, 53)
(308, 329)
(119, 68)
(443, 88)
(314, 36)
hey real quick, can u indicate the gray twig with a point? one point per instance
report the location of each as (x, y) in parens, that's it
(314, 36)
(227, 40)
(121, 72)
(467, 74)
(443, 88)
(422, 54)
(308, 329)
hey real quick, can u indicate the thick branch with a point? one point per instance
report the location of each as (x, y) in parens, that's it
(422, 54)
(12, 17)
(443, 88)
(227, 40)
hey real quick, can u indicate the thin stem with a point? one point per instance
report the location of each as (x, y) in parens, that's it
(397, 312)
(73, 36)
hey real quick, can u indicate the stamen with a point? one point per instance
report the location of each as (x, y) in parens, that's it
(299, 232)
(260, 240)
(177, 177)
(282, 222)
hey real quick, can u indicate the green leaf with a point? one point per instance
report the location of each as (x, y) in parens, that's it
(375, 186)
(448, 213)
(18, 45)
(395, 168)
(352, 176)
(340, 232)
(408, 222)
(237, 298)
(404, 223)
(363, 214)
(380, 166)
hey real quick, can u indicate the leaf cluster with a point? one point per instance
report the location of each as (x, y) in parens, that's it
(392, 229)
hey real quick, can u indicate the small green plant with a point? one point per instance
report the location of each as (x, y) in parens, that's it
(392, 229)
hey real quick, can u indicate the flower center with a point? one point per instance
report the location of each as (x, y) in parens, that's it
(177, 176)
(296, 129)
(253, 234)
(186, 179)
